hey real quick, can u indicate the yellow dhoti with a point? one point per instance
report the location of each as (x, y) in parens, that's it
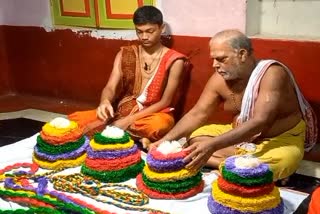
(283, 153)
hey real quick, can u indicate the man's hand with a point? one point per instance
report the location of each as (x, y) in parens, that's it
(200, 152)
(105, 111)
(153, 145)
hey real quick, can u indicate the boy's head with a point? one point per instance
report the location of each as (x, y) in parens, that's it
(147, 15)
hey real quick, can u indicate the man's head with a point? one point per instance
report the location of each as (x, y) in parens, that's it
(148, 21)
(231, 52)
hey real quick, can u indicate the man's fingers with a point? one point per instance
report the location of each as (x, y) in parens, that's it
(191, 155)
(194, 163)
(110, 110)
(101, 113)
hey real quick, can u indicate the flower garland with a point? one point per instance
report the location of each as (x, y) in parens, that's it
(32, 210)
(97, 146)
(253, 204)
(114, 176)
(215, 207)
(77, 183)
(40, 196)
(33, 169)
(64, 204)
(248, 181)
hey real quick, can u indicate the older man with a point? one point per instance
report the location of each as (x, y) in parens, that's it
(271, 115)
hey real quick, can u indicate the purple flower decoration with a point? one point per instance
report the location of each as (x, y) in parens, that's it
(65, 156)
(217, 208)
(42, 189)
(111, 154)
(42, 185)
(258, 171)
(165, 165)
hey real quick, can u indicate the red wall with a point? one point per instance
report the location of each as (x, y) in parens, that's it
(4, 65)
(64, 64)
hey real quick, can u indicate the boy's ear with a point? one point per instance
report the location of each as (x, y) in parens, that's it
(163, 28)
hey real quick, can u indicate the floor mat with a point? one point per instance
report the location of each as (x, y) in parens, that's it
(13, 130)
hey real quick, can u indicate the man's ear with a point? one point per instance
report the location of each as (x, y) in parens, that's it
(243, 53)
(163, 28)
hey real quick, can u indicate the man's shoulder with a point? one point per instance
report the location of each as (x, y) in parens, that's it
(129, 47)
(175, 52)
(273, 64)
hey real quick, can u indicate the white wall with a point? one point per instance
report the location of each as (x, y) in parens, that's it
(204, 17)
(185, 17)
(25, 13)
(284, 18)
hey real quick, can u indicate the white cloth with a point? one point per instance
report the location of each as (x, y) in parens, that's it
(251, 94)
(22, 152)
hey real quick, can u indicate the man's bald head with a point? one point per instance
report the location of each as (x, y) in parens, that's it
(234, 38)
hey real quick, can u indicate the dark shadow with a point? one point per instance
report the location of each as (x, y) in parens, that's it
(303, 207)
(13, 130)
(166, 38)
(301, 183)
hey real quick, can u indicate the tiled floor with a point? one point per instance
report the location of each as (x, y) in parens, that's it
(18, 125)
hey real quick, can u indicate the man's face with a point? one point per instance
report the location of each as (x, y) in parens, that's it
(149, 34)
(226, 60)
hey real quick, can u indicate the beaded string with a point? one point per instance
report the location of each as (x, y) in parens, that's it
(41, 197)
(78, 183)
(74, 184)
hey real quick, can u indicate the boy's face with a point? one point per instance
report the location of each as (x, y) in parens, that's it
(149, 34)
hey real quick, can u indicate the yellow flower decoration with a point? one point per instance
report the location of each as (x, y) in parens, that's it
(252, 204)
(98, 146)
(168, 176)
(48, 129)
(60, 163)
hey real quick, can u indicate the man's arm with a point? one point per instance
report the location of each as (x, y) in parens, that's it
(105, 109)
(198, 115)
(272, 87)
(267, 105)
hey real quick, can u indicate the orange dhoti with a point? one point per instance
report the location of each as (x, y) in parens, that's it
(153, 126)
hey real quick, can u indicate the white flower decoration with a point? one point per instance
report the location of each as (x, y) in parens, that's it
(60, 122)
(112, 132)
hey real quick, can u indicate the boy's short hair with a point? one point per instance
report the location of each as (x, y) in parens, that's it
(147, 14)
